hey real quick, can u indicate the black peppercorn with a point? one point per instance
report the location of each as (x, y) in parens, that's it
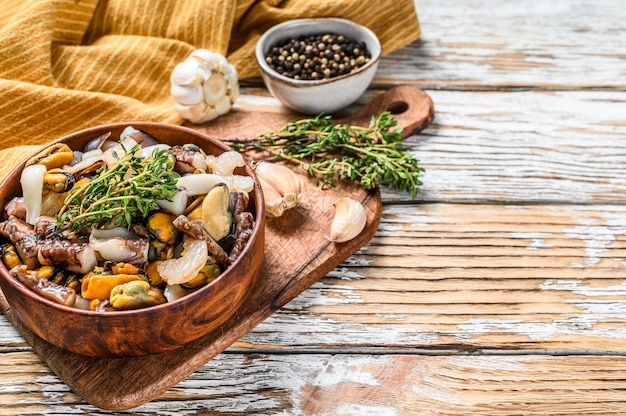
(312, 57)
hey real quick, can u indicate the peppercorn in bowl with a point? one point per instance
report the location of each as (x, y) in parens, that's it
(129, 239)
(319, 65)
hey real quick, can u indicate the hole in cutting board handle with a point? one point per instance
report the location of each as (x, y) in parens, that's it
(398, 107)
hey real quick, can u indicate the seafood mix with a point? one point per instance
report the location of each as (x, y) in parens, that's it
(126, 222)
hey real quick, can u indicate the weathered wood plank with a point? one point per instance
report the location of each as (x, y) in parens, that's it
(475, 44)
(345, 384)
(550, 147)
(471, 277)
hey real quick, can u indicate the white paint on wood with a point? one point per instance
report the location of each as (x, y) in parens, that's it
(536, 239)
(352, 409)
(597, 239)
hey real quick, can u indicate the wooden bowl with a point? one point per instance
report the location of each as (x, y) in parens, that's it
(154, 329)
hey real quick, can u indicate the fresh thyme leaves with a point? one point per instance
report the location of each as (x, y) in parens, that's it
(328, 151)
(120, 194)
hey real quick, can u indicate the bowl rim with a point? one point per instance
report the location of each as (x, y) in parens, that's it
(310, 24)
(259, 222)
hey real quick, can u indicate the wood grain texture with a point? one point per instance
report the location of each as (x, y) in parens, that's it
(352, 384)
(499, 291)
(511, 45)
(471, 277)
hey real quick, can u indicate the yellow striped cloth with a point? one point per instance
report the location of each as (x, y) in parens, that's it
(69, 64)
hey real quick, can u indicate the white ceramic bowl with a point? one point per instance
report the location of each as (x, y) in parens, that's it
(318, 96)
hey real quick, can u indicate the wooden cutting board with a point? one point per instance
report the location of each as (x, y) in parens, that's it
(297, 255)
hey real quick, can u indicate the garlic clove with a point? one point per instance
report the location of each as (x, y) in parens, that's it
(190, 112)
(283, 180)
(186, 95)
(349, 220)
(274, 203)
(187, 72)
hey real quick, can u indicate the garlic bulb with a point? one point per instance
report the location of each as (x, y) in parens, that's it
(281, 187)
(349, 220)
(204, 86)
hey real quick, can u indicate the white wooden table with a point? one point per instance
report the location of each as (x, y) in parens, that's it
(501, 290)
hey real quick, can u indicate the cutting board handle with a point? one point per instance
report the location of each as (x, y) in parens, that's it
(410, 106)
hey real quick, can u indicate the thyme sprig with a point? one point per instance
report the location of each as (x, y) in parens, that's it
(328, 151)
(118, 195)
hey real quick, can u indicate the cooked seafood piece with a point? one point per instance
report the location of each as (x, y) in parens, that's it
(87, 166)
(10, 256)
(128, 249)
(141, 137)
(53, 156)
(32, 190)
(78, 258)
(135, 294)
(239, 201)
(127, 143)
(58, 180)
(173, 292)
(216, 215)
(207, 274)
(188, 159)
(161, 227)
(244, 225)
(45, 227)
(98, 285)
(96, 143)
(43, 287)
(15, 207)
(52, 202)
(196, 230)
(199, 184)
(185, 268)
(23, 237)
